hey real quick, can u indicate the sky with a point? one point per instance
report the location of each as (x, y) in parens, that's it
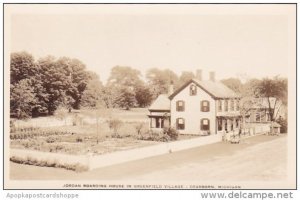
(233, 44)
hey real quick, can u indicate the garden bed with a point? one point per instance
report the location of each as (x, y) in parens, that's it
(79, 144)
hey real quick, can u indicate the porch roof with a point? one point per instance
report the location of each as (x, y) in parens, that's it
(165, 114)
(229, 115)
(162, 103)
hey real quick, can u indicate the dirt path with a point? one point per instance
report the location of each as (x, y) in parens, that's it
(257, 158)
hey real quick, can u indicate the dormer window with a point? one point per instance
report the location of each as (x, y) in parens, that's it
(205, 106)
(180, 106)
(193, 90)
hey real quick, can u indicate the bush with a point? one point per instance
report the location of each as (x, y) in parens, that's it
(44, 163)
(50, 140)
(79, 139)
(155, 136)
(171, 132)
(283, 123)
(139, 127)
(114, 125)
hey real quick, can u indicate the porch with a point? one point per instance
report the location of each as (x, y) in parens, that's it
(159, 120)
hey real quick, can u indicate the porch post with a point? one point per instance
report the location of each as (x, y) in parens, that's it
(223, 124)
(159, 122)
(228, 125)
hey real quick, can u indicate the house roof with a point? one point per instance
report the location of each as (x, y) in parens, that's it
(215, 89)
(161, 103)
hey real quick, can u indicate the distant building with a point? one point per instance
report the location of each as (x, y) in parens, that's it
(197, 107)
(260, 110)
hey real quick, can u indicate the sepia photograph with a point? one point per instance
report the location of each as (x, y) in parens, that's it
(149, 96)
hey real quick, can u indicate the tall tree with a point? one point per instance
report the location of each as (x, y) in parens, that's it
(56, 81)
(160, 80)
(124, 76)
(121, 88)
(126, 98)
(185, 76)
(22, 66)
(233, 83)
(143, 95)
(77, 78)
(273, 88)
(93, 92)
(22, 98)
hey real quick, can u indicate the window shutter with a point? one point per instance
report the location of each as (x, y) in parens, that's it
(208, 106)
(201, 106)
(208, 124)
(177, 106)
(183, 105)
(201, 124)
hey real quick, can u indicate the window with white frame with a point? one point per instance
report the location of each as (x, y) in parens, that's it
(180, 124)
(205, 106)
(205, 124)
(180, 106)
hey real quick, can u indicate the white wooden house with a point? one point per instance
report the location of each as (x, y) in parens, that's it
(197, 107)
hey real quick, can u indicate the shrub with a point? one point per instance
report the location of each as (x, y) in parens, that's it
(45, 163)
(138, 127)
(79, 139)
(50, 140)
(171, 132)
(114, 125)
(284, 124)
(12, 126)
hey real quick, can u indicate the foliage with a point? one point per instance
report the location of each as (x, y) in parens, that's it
(23, 99)
(93, 93)
(40, 87)
(160, 80)
(233, 83)
(124, 76)
(143, 95)
(185, 77)
(138, 127)
(45, 163)
(22, 66)
(25, 133)
(273, 88)
(159, 136)
(284, 124)
(125, 98)
(171, 132)
(114, 125)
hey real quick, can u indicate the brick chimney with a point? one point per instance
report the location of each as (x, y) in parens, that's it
(212, 76)
(199, 74)
(171, 88)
